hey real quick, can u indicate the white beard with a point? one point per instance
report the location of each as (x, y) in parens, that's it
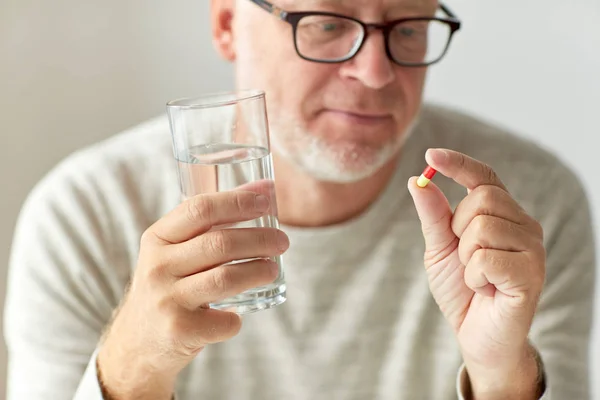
(332, 162)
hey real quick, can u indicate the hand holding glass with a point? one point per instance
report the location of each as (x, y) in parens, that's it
(221, 143)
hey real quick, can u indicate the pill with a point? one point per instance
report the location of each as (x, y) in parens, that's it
(426, 177)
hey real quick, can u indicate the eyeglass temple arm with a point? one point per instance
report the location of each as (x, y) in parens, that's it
(442, 6)
(270, 8)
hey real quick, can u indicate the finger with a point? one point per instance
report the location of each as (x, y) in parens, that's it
(507, 272)
(222, 282)
(199, 214)
(226, 245)
(463, 169)
(475, 279)
(266, 187)
(488, 232)
(488, 200)
(435, 214)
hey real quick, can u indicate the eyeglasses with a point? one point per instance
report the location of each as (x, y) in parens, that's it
(333, 38)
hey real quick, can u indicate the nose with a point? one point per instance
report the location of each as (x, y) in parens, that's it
(371, 65)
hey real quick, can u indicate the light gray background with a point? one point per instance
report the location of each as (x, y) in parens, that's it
(74, 72)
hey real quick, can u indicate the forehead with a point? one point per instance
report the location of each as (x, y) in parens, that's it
(380, 5)
(357, 3)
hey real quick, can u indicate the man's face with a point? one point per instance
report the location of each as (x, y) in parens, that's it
(336, 122)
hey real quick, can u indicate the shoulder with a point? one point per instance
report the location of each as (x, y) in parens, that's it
(77, 235)
(98, 201)
(142, 150)
(134, 168)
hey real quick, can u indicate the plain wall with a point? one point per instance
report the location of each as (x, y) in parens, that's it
(74, 72)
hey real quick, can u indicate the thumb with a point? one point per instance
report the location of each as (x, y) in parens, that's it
(435, 214)
(266, 187)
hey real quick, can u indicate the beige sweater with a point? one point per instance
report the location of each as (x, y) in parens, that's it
(359, 322)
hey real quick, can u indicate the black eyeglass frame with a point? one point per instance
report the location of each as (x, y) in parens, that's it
(293, 18)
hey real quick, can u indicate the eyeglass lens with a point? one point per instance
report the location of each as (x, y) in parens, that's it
(330, 38)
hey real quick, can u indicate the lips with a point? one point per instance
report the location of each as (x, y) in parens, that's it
(360, 117)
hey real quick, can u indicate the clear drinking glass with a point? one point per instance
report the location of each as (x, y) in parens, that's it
(220, 143)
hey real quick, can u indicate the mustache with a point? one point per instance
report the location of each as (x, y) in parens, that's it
(361, 100)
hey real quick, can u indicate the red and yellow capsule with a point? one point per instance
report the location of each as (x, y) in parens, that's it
(426, 177)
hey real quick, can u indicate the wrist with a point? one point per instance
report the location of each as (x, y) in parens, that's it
(132, 377)
(519, 377)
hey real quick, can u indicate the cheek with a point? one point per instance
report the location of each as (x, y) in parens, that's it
(305, 84)
(413, 82)
(292, 84)
(265, 64)
(261, 47)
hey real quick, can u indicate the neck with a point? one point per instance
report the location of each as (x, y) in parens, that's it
(303, 201)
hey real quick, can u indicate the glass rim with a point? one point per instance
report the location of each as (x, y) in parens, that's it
(216, 99)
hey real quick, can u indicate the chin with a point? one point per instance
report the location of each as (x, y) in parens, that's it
(338, 161)
(331, 154)
(351, 162)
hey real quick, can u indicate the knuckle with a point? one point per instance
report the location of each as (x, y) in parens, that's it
(184, 343)
(490, 174)
(153, 268)
(462, 161)
(515, 229)
(537, 229)
(180, 296)
(537, 254)
(242, 202)
(472, 275)
(147, 238)
(480, 256)
(199, 208)
(486, 197)
(266, 239)
(500, 264)
(535, 245)
(219, 243)
(481, 223)
(541, 251)
(222, 279)
(444, 221)
(154, 274)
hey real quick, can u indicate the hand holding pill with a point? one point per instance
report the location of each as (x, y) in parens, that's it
(486, 267)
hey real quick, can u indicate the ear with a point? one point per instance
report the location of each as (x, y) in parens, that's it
(222, 14)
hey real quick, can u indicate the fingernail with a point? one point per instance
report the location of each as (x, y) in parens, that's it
(261, 203)
(282, 241)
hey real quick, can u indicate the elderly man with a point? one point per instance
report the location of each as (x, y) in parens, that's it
(491, 301)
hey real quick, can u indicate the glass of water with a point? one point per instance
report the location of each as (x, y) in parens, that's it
(221, 142)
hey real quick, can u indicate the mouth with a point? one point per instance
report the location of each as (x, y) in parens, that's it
(360, 117)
